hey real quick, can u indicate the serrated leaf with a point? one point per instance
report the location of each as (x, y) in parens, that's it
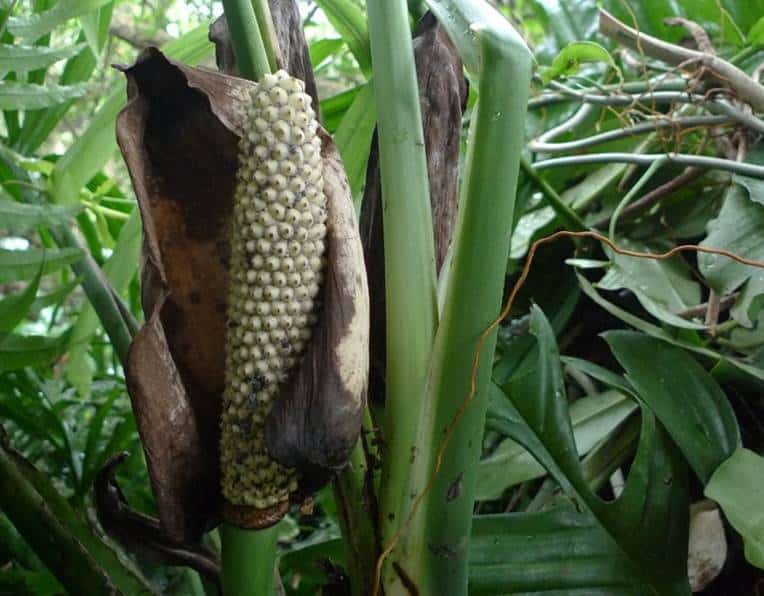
(20, 58)
(686, 399)
(738, 486)
(33, 26)
(28, 96)
(22, 217)
(18, 265)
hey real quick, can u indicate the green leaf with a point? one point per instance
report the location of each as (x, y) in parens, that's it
(738, 487)
(29, 96)
(95, 27)
(18, 58)
(569, 60)
(321, 49)
(16, 265)
(334, 108)
(685, 398)
(119, 270)
(33, 26)
(348, 20)
(14, 307)
(22, 217)
(55, 297)
(663, 287)
(755, 36)
(594, 417)
(353, 138)
(749, 370)
(557, 552)
(751, 300)
(601, 374)
(738, 229)
(648, 523)
(18, 351)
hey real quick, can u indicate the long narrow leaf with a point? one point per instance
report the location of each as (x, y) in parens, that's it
(33, 26)
(348, 20)
(21, 217)
(13, 308)
(29, 96)
(16, 265)
(18, 351)
(19, 58)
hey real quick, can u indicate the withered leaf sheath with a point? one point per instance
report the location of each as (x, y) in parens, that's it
(277, 246)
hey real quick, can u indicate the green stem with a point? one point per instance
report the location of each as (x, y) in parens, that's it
(249, 559)
(268, 33)
(682, 159)
(643, 179)
(565, 212)
(248, 47)
(744, 54)
(249, 556)
(410, 280)
(542, 146)
(357, 506)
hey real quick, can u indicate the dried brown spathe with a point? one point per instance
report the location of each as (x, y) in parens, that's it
(178, 135)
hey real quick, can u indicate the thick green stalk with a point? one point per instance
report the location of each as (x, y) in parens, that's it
(410, 280)
(248, 46)
(497, 56)
(248, 561)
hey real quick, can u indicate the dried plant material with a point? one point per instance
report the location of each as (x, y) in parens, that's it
(707, 545)
(179, 135)
(180, 148)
